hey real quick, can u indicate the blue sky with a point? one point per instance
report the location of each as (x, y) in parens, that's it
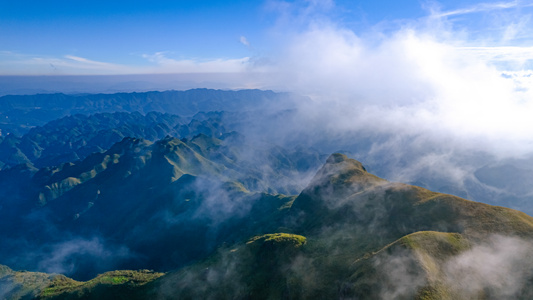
(184, 36)
(122, 32)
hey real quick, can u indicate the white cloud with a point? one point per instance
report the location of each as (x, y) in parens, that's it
(419, 80)
(244, 41)
(480, 7)
(22, 64)
(88, 61)
(164, 64)
(485, 23)
(506, 53)
(66, 257)
(501, 267)
(12, 63)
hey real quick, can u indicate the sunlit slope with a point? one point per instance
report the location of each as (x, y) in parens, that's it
(33, 285)
(342, 190)
(22, 285)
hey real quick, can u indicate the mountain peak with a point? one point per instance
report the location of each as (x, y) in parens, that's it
(129, 144)
(337, 158)
(338, 179)
(340, 169)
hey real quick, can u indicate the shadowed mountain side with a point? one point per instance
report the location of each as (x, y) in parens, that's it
(76, 137)
(264, 168)
(157, 205)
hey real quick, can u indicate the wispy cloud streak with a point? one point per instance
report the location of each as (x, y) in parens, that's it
(479, 8)
(165, 64)
(12, 63)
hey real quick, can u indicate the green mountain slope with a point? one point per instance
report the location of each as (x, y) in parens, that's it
(151, 205)
(30, 285)
(368, 238)
(351, 235)
(22, 285)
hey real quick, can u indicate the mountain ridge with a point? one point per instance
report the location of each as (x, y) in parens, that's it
(19, 113)
(379, 240)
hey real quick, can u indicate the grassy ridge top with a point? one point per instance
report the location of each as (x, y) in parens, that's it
(117, 284)
(280, 238)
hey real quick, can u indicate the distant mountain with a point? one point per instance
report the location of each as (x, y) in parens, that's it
(20, 113)
(352, 235)
(75, 137)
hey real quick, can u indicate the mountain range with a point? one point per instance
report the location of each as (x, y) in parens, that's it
(20, 113)
(207, 194)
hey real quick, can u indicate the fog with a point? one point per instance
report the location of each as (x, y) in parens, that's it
(497, 268)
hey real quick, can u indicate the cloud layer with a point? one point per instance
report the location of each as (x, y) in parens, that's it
(424, 78)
